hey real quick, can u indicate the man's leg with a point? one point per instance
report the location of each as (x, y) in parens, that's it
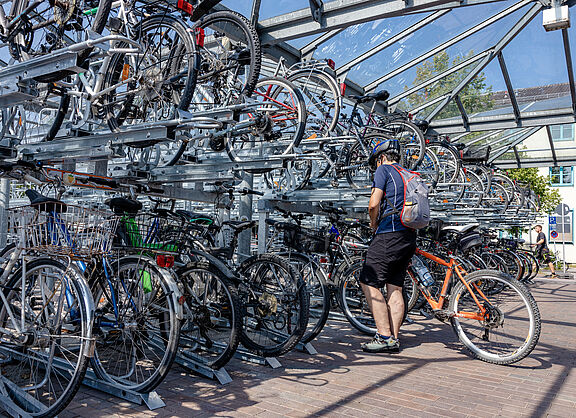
(395, 308)
(379, 308)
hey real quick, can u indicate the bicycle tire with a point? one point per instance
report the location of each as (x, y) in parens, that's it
(68, 351)
(449, 161)
(262, 303)
(212, 315)
(228, 27)
(284, 114)
(163, 83)
(318, 291)
(351, 296)
(534, 263)
(409, 136)
(315, 85)
(132, 369)
(515, 266)
(478, 345)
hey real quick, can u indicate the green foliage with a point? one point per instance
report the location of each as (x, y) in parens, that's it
(549, 197)
(476, 96)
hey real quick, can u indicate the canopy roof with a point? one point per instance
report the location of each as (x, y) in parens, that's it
(465, 66)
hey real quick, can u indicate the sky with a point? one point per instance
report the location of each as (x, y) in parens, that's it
(534, 58)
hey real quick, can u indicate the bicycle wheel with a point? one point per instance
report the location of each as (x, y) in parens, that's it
(509, 329)
(212, 322)
(322, 98)
(48, 361)
(318, 291)
(137, 325)
(429, 168)
(358, 173)
(275, 305)
(448, 159)
(277, 125)
(231, 59)
(411, 139)
(534, 264)
(153, 86)
(526, 266)
(353, 302)
(295, 176)
(515, 266)
(53, 25)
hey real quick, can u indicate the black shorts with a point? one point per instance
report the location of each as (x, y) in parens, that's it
(388, 257)
(544, 255)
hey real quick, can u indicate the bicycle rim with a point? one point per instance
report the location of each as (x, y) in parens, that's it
(510, 330)
(49, 363)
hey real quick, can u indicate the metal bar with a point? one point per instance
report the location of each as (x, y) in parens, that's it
(425, 105)
(462, 111)
(569, 67)
(517, 156)
(511, 34)
(551, 142)
(480, 138)
(525, 133)
(344, 13)
(255, 14)
(509, 87)
(434, 79)
(346, 67)
(494, 18)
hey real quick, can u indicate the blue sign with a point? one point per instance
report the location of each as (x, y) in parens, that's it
(554, 234)
(552, 220)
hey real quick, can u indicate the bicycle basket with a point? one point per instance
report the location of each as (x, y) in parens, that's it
(307, 240)
(149, 232)
(78, 232)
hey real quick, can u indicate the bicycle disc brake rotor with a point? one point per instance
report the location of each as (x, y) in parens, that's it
(267, 304)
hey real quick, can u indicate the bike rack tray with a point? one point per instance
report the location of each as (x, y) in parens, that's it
(195, 364)
(245, 355)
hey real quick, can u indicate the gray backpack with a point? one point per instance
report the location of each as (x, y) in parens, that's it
(415, 213)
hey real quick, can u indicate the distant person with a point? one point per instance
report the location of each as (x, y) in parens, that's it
(542, 251)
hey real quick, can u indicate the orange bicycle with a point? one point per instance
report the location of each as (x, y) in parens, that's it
(493, 315)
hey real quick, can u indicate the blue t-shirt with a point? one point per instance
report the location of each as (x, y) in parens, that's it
(390, 181)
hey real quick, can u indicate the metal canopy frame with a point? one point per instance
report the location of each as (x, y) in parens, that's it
(334, 17)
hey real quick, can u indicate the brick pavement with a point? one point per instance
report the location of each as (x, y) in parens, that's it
(432, 376)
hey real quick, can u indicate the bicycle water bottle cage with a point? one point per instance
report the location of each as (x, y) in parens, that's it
(122, 205)
(44, 203)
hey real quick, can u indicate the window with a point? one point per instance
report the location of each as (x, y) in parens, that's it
(561, 176)
(562, 132)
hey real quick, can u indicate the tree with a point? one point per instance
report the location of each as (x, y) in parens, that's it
(476, 96)
(549, 198)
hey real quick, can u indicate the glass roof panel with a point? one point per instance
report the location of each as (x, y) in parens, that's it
(430, 37)
(536, 57)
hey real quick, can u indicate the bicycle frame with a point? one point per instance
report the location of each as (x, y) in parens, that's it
(452, 267)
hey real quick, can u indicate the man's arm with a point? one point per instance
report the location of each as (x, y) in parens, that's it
(374, 206)
(540, 242)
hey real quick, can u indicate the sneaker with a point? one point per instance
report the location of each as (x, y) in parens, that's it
(380, 344)
(553, 276)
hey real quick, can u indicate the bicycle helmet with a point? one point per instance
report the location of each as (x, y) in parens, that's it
(380, 148)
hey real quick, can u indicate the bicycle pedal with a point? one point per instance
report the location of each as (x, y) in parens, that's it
(443, 314)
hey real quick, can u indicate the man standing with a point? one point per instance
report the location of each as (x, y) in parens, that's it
(391, 249)
(542, 251)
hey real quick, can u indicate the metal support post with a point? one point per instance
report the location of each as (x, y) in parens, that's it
(245, 213)
(262, 230)
(4, 204)
(195, 364)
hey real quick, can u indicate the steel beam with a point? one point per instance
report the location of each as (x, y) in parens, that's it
(495, 18)
(462, 111)
(488, 123)
(526, 133)
(437, 77)
(517, 156)
(551, 142)
(345, 13)
(511, 34)
(509, 87)
(537, 162)
(569, 67)
(390, 41)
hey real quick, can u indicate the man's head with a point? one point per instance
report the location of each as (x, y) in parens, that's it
(385, 152)
(538, 228)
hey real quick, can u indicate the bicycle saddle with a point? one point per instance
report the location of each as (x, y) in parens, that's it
(45, 203)
(194, 216)
(461, 229)
(122, 205)
(378, 96)
(239, 226)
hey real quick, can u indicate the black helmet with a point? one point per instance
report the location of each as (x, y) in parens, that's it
(382, 147)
